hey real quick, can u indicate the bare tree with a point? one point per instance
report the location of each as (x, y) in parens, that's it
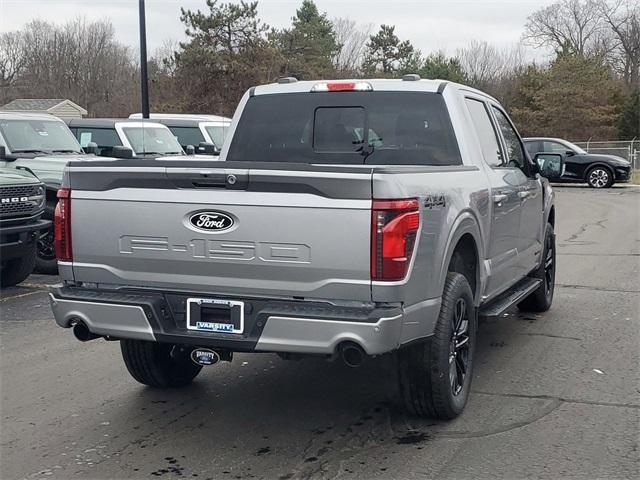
(485, 64)
(623, 18)
(569, 26)
(79, 60)
(352, 39)
(12, 62)
(163, 56)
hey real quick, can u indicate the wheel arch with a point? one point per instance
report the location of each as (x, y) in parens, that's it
(599, 164)
(551, 218)
(466, 240)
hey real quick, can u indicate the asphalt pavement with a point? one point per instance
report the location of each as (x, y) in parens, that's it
(554, 395)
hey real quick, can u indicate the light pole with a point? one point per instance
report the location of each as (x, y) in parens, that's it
(144, 82)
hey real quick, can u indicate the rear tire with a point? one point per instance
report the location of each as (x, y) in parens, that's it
(18, 269)
(152, 364)
(435, 375)
(542, 298)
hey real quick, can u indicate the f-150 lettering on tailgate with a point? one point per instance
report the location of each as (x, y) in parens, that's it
(217, 249)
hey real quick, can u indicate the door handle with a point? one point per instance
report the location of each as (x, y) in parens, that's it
(523, 194)
(499, 197)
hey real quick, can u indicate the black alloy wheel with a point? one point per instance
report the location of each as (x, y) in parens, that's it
(459, 347)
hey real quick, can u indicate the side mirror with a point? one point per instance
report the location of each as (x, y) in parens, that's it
(549, 164)
(569, 153)
(190, 150)
(122, 152)
(208, 148)
(91, 148)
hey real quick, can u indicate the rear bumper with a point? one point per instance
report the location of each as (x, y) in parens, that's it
(270, 325)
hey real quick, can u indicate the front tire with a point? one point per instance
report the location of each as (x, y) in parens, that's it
(599, 177)
(17, 270)
(46, 261)
(435, 375)
(152, 364)
(540, 300)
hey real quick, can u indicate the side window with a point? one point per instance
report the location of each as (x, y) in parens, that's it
(555, 147)
(187, 135)
(105, 138)
(533, 147)
(515, 153)
(487, 135)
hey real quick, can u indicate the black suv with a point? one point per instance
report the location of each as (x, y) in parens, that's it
(578, 166)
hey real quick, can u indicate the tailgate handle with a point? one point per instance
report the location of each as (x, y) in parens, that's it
(210, 183)
(208, 179)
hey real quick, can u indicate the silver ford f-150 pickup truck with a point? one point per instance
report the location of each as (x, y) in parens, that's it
(346, 219)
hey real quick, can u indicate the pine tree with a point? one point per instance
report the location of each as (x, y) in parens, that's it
(629, 122)
(309, 47)
(387, 55)
(226, 53)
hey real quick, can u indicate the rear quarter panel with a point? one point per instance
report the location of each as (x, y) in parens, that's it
(453, 201)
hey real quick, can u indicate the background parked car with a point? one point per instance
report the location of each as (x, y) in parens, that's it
(43, 144)
(112, 136)
(194, 129)
(22, 202)
(578, 166)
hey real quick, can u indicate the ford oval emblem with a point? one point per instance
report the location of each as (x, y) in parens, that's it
(211, 221)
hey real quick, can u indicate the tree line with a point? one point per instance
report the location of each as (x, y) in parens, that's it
(589, 89)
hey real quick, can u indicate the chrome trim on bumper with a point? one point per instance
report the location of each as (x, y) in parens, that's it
(126, 321)
(317, 336)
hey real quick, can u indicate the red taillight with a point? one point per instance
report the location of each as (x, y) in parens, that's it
(62, 226)
(394, 227)
(342, 87)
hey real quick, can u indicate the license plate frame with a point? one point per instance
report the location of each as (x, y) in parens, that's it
(196, 321)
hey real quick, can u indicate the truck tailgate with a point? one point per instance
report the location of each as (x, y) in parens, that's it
(277, 233)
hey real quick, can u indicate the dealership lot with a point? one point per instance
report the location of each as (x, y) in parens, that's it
(554, 395)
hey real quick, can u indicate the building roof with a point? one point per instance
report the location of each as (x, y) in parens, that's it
(40, 104)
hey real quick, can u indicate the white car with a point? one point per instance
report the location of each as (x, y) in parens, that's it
(201, 131)
(108, 136)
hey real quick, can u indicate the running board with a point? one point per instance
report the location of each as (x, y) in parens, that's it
(513, 296)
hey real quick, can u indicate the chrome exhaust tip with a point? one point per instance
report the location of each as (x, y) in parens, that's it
(82, 332)
(352, 354)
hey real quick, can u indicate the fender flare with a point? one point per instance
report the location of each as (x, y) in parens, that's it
(466, 223)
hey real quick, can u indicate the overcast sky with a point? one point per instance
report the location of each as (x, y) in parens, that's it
(430, 25)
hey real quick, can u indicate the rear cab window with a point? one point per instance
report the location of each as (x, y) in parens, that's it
(377, 128)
